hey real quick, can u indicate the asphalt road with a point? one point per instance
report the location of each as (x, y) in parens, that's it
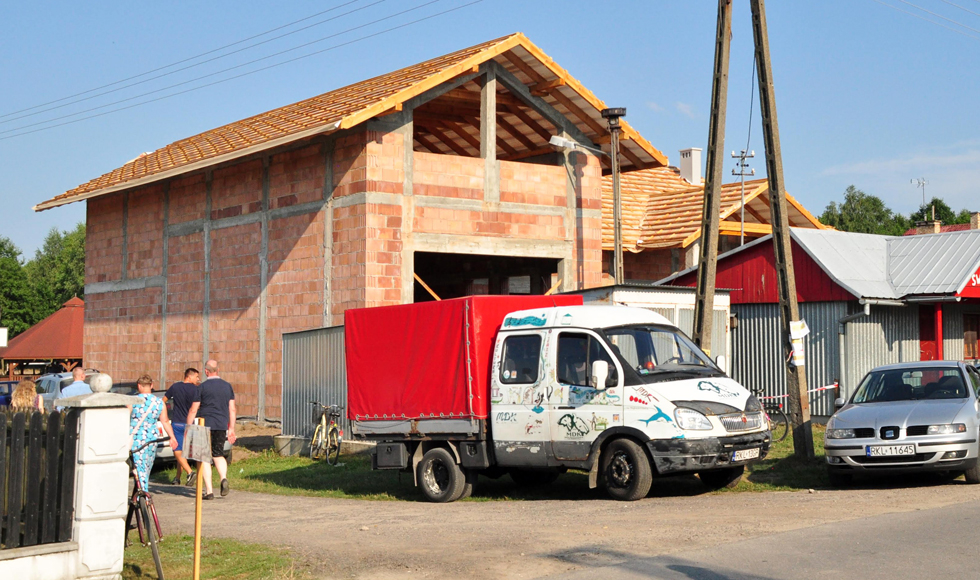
(932, 543)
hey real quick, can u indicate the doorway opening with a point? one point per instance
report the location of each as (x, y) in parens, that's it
(457, 275)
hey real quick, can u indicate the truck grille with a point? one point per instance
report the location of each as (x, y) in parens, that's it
(737, 422)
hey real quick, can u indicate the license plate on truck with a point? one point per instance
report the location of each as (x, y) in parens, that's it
(889, 450)
(745, 454)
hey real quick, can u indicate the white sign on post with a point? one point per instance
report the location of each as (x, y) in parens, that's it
(197, 443)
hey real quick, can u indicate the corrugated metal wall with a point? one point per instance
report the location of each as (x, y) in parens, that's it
(719, 329)
(313, 369)
(757, 353)
(889, 335)
(953, 330)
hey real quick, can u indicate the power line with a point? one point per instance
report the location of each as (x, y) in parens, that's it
(939, 16)
(349, 42)
(212, 51)
(920, 17)
(190, 66)
(202, 77)
(961, 8)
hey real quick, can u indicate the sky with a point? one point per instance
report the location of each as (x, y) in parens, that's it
(868, 92)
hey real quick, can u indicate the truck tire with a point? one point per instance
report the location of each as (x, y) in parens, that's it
(439, 477)
(719, 478)
(625, 470)
(533, 477)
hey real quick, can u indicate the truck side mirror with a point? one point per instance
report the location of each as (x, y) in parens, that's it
(722, 362)
(838, 403)
(600, 371)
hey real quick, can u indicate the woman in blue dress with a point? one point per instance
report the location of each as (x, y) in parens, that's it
(143, 427)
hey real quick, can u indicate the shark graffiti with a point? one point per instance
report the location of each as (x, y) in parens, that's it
(659, 416)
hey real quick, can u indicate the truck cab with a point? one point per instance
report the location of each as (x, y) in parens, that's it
(569, 381)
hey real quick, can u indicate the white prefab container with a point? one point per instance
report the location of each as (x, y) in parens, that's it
(676, 304)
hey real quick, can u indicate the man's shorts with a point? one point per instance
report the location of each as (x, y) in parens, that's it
(218, 443)
(178, 435)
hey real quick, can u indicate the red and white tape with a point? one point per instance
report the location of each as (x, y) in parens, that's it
(818, 389)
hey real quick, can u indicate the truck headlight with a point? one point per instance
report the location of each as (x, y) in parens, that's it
(840, 434)
(946, 429)
(691, 420)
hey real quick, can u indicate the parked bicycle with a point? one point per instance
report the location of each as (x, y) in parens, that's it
(328, 435)
(141, 509)
(777, 417)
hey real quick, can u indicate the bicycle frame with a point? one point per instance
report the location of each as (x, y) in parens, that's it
(139, 492)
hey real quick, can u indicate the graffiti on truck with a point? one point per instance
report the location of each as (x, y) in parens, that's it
(574, 427)
(710, 387)
(660, 416)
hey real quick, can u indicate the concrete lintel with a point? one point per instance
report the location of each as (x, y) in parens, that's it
(588, 213)
(367, 197)
(491, 246)
(197, 226)
(449, 202)
(552, 115)
(122, 285)
(477, 205)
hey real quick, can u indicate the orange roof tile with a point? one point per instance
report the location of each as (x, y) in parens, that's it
(349, 106)
(660, 209)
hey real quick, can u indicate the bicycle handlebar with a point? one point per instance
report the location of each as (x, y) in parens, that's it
(338, 407)
(147, 444)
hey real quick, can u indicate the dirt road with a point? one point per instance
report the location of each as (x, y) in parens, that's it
(523, 539)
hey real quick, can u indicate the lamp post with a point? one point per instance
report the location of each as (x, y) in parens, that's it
(612, 116)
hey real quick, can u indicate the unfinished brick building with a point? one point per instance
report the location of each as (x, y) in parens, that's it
(215, 245)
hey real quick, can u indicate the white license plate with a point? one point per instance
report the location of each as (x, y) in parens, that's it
(889, 450)
(745, 454)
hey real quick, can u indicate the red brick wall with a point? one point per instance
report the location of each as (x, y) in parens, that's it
(296, 177)
(447, 175)
(237, 190)
(533, 183)
(588, 231)
(185, 304)
(188, 198)
(647, 265)
(122, 333)
(104, 239)
(144, 246)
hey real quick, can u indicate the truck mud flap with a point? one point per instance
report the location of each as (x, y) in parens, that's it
(473, 454)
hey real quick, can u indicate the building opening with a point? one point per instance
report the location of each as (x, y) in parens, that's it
(456, 275)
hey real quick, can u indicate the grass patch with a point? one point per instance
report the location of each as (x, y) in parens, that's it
(268, 472)
(225, 559)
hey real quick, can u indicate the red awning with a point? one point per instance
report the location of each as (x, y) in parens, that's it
(58, 336)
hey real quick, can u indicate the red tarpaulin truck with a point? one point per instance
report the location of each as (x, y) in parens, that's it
(535, 385)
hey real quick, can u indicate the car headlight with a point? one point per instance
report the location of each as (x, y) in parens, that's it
(840, 434)
(752, 404)
(691, 420)
(946, 429)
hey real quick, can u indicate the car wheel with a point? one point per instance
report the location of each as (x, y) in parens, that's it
(973, 474)
(625, 470)
(439, 477)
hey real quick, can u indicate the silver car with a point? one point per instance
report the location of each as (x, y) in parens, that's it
(907, 417)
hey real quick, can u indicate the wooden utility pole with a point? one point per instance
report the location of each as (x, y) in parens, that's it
(704, 306)
(612, 116)
(796, 388)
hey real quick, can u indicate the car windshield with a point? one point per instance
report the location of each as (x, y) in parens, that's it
(652, 349)
(911, 385)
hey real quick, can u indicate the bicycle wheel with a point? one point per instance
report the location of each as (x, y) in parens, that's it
(333, 445)
(317, 443)
(156, 519)
(150, 535)
(778, 423)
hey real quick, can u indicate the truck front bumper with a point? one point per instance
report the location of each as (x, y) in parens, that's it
(678, 455)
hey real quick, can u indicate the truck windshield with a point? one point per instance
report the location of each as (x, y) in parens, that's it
(652, 349)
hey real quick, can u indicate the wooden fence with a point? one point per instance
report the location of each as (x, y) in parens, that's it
(37, 477)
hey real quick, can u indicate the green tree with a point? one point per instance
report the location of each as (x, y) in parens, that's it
(944, 213)
(57, 271)
(15, 303)
(863, 213)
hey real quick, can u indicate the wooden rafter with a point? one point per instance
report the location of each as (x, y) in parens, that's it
(541, 89)
(754, 213)
(425, 142)
(474, 142)
(524, 67)
(632, 157)
(578, 112)
(448, 141)
(515, 132)
(530, 122)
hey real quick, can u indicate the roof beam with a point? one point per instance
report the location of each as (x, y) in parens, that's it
(514, 85)
(515, 133)
(755, 214)
(578, 112)
(543, 88)
(473, 141)
(527, 120)
(447, 140)
(425, 142)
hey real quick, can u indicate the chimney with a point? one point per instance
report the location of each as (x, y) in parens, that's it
(975, 220)
(691, 165)
(928, 227)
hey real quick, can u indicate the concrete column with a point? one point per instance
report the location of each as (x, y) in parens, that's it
(488, 135)
(101, 483)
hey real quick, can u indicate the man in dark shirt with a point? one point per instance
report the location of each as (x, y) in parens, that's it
(181, 396)
(216, 405)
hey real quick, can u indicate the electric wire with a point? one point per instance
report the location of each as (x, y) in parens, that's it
(920, 17)
(956, 22)
(190, 66)
(961, 8)
(748, 140)
(202, 77)
(182, 61)
(347, 43)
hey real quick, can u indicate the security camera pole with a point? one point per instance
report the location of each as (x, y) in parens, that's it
(613, 116)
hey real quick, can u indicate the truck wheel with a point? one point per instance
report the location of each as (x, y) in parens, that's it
(439, 477)
(533, 477)
(719, 478)
(625, 470)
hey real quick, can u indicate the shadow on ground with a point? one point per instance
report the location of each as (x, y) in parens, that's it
(601, 562)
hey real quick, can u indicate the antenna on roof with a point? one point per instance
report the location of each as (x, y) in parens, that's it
(921, 182)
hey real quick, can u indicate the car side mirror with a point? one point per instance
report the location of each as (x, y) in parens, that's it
(722, 362)
(600, 371)
(839, 402)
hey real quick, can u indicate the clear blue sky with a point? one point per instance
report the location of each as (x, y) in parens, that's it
(866, 95)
